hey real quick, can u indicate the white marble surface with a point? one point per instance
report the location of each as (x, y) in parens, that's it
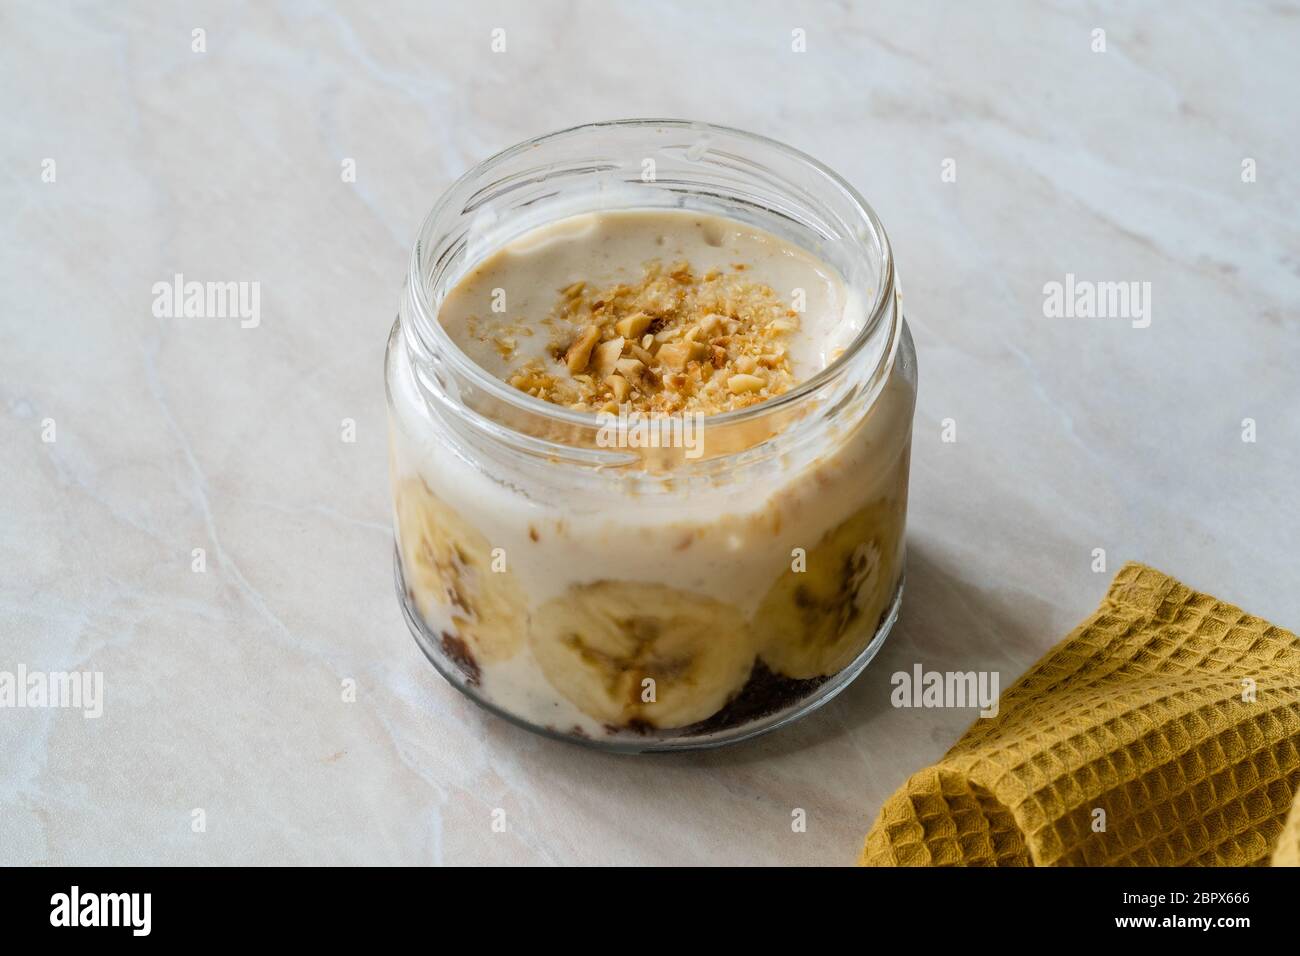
(222, 689)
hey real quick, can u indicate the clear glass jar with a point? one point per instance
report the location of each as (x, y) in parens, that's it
(644, 599)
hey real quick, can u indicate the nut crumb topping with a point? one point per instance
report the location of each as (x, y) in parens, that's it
(672, 342)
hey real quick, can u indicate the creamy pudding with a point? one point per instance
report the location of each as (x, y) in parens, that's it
(602, 605)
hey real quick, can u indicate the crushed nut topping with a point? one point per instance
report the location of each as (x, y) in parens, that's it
(672, 342)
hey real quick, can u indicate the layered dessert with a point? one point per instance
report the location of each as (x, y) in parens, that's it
(605, 607)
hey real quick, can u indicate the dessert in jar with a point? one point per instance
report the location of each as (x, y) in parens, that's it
(650, 396)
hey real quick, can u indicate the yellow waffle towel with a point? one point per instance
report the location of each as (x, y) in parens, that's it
(1164, 731)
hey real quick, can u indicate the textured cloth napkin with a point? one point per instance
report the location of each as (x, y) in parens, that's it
(1175, 714)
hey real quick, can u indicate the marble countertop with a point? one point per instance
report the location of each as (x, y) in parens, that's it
(130, 440)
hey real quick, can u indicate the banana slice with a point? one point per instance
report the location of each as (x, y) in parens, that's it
(814, 622)
(447, 564)
(600, 644)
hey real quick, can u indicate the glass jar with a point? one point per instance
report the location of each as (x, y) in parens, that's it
(650, 598)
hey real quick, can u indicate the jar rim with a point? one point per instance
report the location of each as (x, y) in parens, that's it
(870, 228)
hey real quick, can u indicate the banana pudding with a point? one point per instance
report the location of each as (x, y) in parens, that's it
(649, 471)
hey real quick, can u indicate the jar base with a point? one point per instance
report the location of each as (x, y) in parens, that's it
(695, 737)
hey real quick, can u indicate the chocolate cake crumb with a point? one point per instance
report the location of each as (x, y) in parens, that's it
(765, 693)
(458, 653)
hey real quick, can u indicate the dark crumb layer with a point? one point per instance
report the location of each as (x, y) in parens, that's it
(765, 693)
(458, 653)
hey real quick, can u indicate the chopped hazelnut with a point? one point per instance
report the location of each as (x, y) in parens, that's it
(579, 352)
(618, 384)
(630, 368)
(644, 355)
(675, 354)
(633, 325)
(605, 355)
(744, 383)
(712, 322)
